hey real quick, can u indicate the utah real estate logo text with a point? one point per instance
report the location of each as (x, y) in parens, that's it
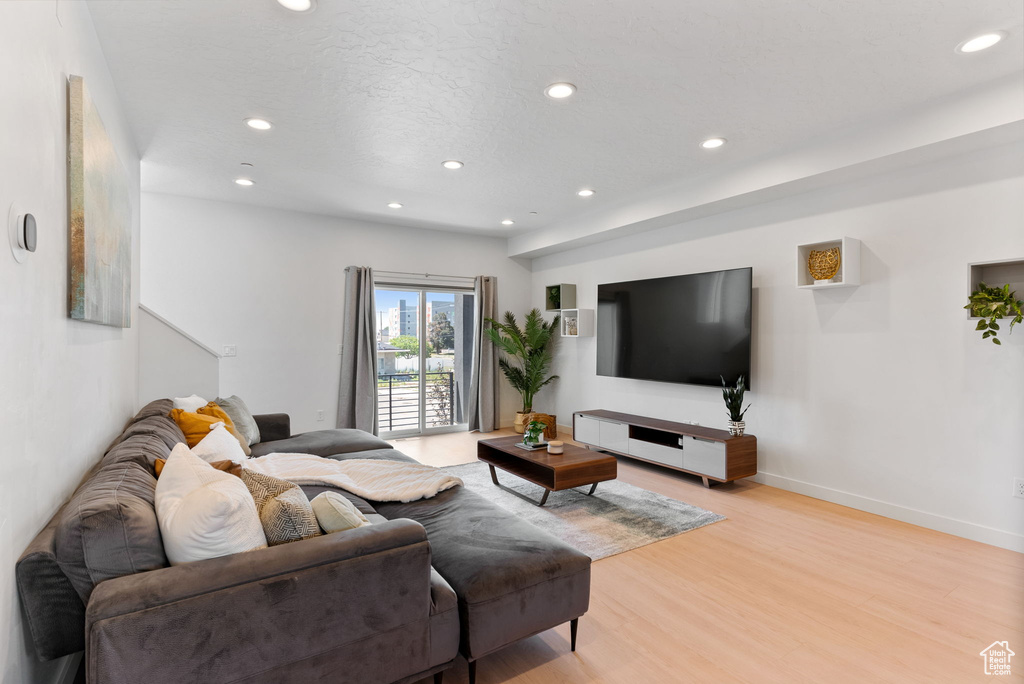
(997, 658)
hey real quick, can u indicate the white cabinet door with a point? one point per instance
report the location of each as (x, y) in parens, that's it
(587, 430)
(614, 436)
(705, 457)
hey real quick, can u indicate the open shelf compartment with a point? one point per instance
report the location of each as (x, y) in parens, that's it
(849, 264)
(996, 274)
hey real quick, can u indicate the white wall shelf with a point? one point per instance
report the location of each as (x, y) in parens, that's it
(560, 296)
(577, 323)
(849, 264)
(996, 274)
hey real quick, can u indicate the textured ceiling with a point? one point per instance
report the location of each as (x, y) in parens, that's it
(369, 97)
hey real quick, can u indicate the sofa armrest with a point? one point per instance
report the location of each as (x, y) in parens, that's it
(284, 613)
(273, 426)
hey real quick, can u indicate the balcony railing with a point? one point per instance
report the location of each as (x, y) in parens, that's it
(398, 400)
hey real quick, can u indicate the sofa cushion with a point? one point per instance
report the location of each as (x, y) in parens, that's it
(219, 445)
(512, 579)
(203, 512)
(483, 550)
(143, 449)
(362, 505)
(157, 407)
(196, 426)
(160, 426)
(285, 512)
(191, 403)
(109, 527)
(335, 513)
(322, 443)
(241, 416)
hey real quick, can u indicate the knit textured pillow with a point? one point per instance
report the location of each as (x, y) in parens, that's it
(284, 510)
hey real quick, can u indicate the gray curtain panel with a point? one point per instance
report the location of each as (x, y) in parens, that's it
(357, 394)
(482, 407)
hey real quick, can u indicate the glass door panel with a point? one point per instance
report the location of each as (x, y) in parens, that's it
(398, 361)
(424, 359)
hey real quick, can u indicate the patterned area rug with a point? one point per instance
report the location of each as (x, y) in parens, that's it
(619, 517)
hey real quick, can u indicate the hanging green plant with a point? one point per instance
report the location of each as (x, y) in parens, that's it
(993, 304)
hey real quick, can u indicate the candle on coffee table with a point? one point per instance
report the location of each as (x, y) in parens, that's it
(555, 447)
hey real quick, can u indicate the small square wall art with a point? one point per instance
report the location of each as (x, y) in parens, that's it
(100, 218)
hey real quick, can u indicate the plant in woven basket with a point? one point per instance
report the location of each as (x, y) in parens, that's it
(734, 399)
(528, 352)
(993, 304)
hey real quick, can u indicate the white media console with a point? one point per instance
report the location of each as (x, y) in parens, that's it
(714, 455)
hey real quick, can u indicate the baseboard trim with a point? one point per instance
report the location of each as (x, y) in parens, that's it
(959, 528)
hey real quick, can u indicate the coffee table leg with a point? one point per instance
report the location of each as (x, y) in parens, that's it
(592, 490)
(544, 498)
(494, 475)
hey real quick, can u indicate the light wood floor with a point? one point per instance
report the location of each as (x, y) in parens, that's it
(788, 589)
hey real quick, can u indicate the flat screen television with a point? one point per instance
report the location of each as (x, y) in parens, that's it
(692, 329)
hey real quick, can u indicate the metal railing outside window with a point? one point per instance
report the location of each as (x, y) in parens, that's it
(398, 400)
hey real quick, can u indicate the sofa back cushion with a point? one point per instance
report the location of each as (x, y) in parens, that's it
(157, 407)
(109, 528)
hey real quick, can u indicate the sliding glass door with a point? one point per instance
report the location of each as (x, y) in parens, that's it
(424, 357)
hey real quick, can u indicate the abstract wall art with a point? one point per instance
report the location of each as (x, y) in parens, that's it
(100, 218)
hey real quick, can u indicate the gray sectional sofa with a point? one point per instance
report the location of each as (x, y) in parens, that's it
(395, 601)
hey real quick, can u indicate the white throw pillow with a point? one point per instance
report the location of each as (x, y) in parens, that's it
(219, 445)
(204, 513)
(190, 404)
(336, 513)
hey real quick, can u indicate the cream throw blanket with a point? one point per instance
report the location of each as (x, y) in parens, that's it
(371, 479)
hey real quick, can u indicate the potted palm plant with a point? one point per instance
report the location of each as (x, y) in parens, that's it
(527, 354)
(734, 403)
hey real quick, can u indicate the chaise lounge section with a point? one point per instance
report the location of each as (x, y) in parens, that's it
(391, 602)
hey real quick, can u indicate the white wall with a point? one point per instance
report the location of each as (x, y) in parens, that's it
(881, 397)
(171, 364)
(68, 387)
(271, 282)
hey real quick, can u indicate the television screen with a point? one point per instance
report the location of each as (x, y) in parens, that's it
(690, 329)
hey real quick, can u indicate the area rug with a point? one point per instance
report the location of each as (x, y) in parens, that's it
(619, 517)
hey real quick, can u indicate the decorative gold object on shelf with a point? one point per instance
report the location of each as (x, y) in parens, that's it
(823, 264)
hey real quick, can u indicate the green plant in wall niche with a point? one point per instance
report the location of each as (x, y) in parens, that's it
(554, 297)
(993, 304)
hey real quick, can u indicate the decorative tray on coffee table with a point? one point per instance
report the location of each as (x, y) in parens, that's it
(532, 447)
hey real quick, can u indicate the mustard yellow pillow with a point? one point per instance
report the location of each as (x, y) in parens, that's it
(226, 466)
(197, 425)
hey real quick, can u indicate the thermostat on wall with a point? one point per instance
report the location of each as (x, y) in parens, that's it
(22, 233)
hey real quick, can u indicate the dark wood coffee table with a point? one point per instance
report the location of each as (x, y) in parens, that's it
(574, 467)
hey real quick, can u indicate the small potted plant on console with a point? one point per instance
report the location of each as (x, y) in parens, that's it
(734, 403)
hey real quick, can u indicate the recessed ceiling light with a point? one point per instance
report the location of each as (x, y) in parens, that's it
(452, 164)
(298, 5)
(982, 42)
(246, 182)
(395, 205)
(560, 91)
(507, 222)
(712, 143)
(259, 124)
(585, 192)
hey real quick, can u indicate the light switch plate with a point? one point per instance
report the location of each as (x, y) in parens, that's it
(230, 350)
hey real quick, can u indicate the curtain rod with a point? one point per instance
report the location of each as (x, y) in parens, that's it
(424, 275)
